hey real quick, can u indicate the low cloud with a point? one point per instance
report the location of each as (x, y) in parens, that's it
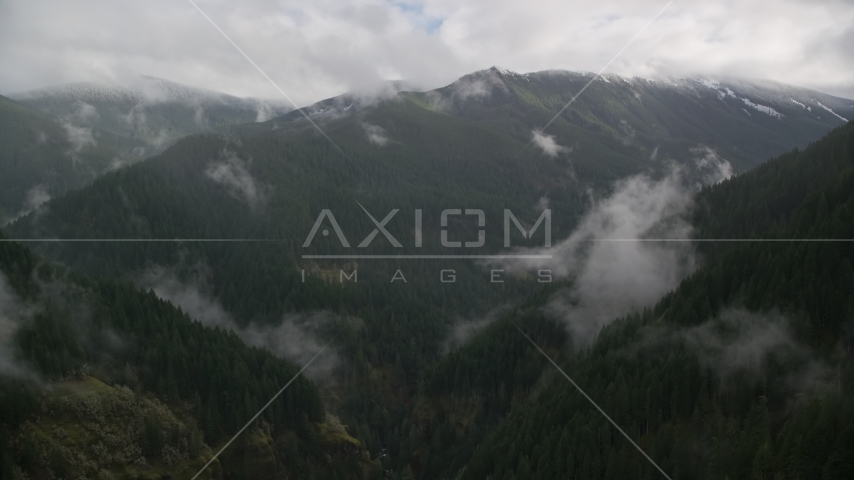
(465, 329)
(199, 116)
(36, 197)
(547, 143)
(231, 172)
(84, 112)
(756, 346)
(742, 341)
(161, 140)
(195, 300)
(268, 110)
(478, 85)
(625, 254)
(375, 92)
(79, 137)
(265, 112)
(711, 167)
(296, 338)
(13, 313)
(136, 116)
(376, 134)
(738, 343)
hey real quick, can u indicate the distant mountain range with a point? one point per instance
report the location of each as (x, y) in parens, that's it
(744, 121)
(151, 109)
(479, 137)
(59, 138)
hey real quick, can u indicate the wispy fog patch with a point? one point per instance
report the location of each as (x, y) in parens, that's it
(711, 167)
(84, 112)
(478, 85)
(547, 143)
(295, 338)
(161, 139)
(376, 92)
(742, 341)
(191, 296)
(36, 197)
(79, 137)
(13, 313)
(136, 116)
(119, 162)
(199, 116)
(464, 329)
(614, 259)
(737, 343)
(265, 112)
(231, 172)
(376, 134)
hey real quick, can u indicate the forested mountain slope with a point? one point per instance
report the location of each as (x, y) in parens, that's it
(61, 138)
(744, 371)
(152, 110)
(258, 189)
(743, 121)
(101, 380)
(416, 151)
(43, 158)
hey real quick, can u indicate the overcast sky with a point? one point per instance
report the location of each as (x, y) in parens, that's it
(320, 48)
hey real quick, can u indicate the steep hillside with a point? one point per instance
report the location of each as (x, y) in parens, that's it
(42, 158)
(100, 380)
(154, 111)
(743, 121)
(220, 224)
(744, 371)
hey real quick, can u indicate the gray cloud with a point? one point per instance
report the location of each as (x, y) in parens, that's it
(79, 137)
(231, 172)
(13, 312)
(36, 197)
(265, 112)
(477, 86)
(319, 49)
(84, 112)
(742, 341)
(297, 338)
(199, 116)
(376, 134)
(612, 274)
(710, 167)
(547, 143)
(465, 329)
(194, 299)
